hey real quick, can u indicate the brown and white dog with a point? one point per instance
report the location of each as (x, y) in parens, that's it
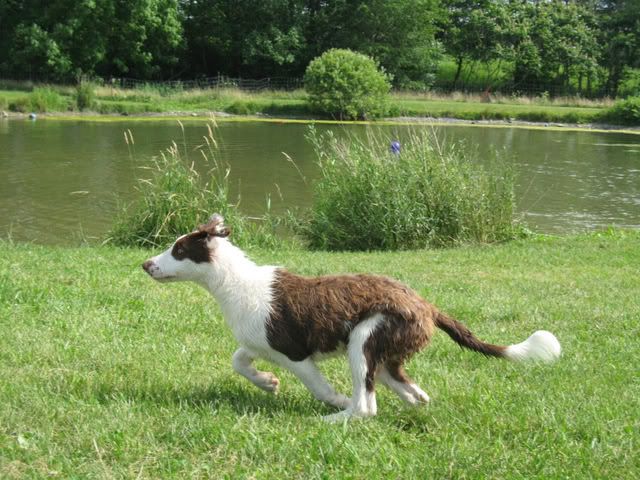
(293, 321)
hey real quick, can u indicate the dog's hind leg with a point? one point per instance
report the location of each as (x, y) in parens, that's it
(309, 374)
(242, 363)
(363, 360)
(393, 376)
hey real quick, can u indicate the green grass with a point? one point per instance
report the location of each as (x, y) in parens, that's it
(494, 111)
(294, 104)
(107, 374)
(40, 99)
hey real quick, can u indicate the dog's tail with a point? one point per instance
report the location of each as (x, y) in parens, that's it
(541, 346)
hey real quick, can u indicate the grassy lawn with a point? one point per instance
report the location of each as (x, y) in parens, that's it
(495, 111)
(107, 374)
(292, 104)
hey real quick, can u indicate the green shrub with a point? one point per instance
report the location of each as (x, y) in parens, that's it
(347, 84)
(176, 199)
(624, 112)
(430, 195)
(85, 95)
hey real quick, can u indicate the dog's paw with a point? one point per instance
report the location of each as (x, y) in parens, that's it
(346, 415)
(339, 417)
(340, 401)
(268, 382)
(420, 397)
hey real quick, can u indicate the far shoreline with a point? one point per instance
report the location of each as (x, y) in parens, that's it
(403, 120)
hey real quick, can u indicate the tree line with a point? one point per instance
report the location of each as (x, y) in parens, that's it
(583, 45)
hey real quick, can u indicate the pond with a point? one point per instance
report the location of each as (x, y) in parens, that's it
(63, 180)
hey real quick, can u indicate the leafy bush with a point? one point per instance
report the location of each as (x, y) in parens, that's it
(85, 95)
(347, 84)
(624, 112)
(176, 199)
(429, 195)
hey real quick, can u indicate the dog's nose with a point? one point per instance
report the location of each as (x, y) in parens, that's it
(147, 265)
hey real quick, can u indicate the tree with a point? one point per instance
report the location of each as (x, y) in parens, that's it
(553, 42)
(62, 39)
(280, 37)
(620, 35)
(476, 30)
(399, 34)
(245, 37)
(144, 38)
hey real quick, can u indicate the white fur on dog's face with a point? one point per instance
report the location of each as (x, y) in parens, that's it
(190, 256)
(185, 260)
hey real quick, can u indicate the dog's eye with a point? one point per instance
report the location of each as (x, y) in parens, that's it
(180, 251)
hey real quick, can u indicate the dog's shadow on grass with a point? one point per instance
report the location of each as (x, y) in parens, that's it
(227, 395)
(231, 395)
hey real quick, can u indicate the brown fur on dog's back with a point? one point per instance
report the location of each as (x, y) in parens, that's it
(316, 315)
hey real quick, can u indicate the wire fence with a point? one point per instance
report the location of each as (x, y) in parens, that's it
(527, 90)
(219, 81)
(294, 83)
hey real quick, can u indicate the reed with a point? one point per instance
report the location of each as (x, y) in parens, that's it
(41, 99)
(432, 194)
(85, 95)
(175, 198)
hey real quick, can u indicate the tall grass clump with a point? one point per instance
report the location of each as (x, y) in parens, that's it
(85, 95)
(41, 99)
(429, 195)
(176, 198)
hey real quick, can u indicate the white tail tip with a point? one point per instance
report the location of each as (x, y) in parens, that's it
(542, 346)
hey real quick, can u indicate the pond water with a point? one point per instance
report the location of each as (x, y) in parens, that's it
(62, 181)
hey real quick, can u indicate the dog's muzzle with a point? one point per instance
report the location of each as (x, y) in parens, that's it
(149, 267)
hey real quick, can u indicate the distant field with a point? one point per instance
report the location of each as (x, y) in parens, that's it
(107, 374)
(498, 111)
(294, 104)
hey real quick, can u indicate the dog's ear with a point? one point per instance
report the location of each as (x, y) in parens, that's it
(215, 227)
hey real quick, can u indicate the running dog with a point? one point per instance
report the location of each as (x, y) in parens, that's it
(294, 321)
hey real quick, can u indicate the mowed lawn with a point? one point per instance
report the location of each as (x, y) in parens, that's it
(106, 374)
(495, 111)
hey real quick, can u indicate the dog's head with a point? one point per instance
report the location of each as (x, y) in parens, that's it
(190, 255)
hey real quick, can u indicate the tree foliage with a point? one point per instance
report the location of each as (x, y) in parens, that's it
(546, 42)
(62, 39)
(620, 36)
(571, 44)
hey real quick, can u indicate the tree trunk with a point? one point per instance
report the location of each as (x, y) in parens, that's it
(459, 69)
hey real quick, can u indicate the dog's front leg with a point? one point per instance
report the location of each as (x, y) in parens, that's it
(242, 363)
